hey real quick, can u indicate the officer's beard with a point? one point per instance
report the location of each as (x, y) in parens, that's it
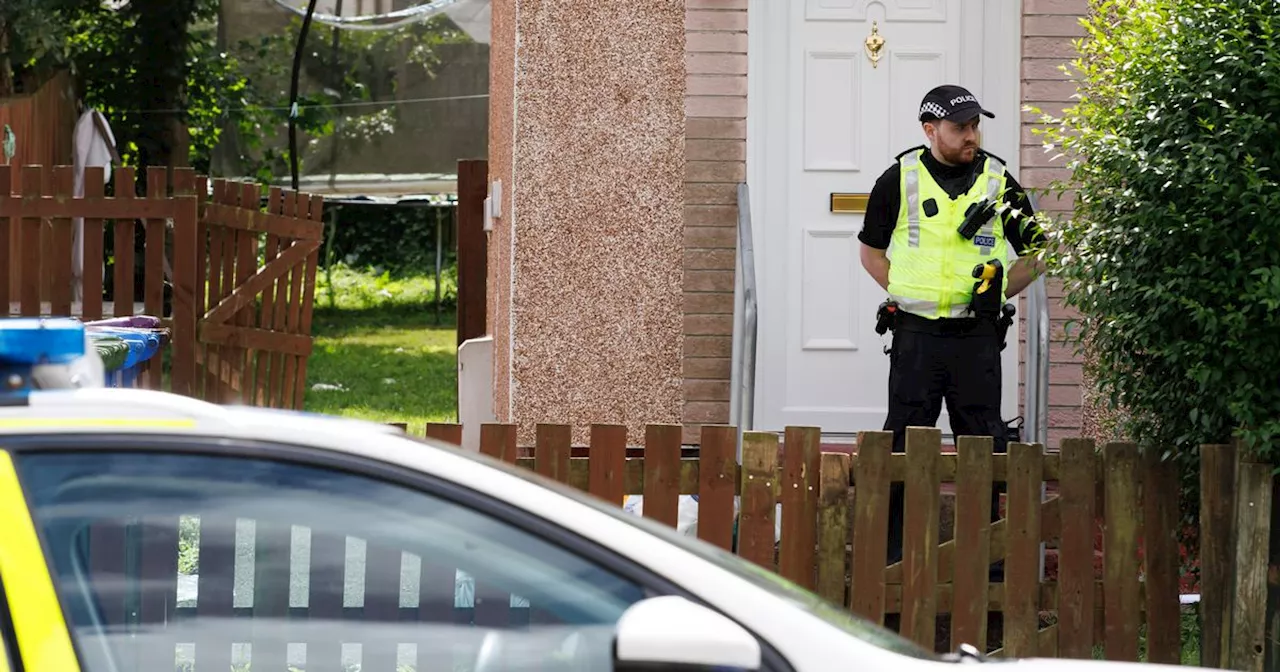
(958, 156)
(955, 155)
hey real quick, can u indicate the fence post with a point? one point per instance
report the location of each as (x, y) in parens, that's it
(29, 291)
(186, 281)
(662, 473)
(444, 431)
(1217, 548)
(1249, 602)
(10, 275)
(1122, 608)
(1271, 657)
(1160, 489)
(717, 476)
(551, 453)
(972, 534)
(473, 254)
(920, 528)
(1023, 532)
(870, 525)
(833, 527)
(798, 492)
(606, 470)
(756, 516)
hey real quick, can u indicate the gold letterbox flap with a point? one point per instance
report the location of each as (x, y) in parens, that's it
(849, 203)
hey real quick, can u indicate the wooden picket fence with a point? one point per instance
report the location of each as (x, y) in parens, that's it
(232, 278)
(835, 521)
(832, 541)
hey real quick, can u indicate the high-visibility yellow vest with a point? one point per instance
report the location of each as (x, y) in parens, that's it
(931, 264)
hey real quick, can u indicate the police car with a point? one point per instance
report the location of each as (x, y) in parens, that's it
(317, 537)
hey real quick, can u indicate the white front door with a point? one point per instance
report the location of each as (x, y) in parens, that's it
(825, 119)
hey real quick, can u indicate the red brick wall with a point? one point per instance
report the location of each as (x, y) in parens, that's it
(716, 152)
(1048, 28)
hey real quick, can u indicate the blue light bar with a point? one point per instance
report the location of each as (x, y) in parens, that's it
(32, 341)
(28, 343)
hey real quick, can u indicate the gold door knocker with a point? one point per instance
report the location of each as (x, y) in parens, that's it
(873, 44)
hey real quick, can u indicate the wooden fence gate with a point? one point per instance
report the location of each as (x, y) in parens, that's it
(254, 331)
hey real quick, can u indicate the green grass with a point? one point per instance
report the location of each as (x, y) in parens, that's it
(343, 289)
(378, 341)
(1190, 635)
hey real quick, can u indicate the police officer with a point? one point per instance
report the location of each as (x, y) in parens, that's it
(917, 247)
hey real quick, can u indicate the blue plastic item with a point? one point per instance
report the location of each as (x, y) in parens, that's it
(143, 345)
(27, 342)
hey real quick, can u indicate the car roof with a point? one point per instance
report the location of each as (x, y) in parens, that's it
(113, 410)
(130, 411)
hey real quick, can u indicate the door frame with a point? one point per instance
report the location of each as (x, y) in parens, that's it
(1002, 62)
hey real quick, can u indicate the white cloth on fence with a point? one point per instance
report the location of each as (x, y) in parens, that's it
(91, 149)
(687, 514)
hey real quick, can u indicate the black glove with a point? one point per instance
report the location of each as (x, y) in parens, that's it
(986, 299)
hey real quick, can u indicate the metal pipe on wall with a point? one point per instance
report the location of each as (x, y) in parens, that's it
(744, 367)
(1036, 372)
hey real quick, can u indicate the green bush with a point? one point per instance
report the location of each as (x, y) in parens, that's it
(1172, 255)
(401, 239)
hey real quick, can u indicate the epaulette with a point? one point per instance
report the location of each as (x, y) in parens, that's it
(908, 151)
(997, 158)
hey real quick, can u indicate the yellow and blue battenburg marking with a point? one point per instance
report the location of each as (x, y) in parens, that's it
(35, 354)
(38, 622)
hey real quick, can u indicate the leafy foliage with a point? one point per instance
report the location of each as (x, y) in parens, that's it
(157, 65)
(1172, 255)
(340, 105)
(33, 36)
(401, 239)
(191, 82)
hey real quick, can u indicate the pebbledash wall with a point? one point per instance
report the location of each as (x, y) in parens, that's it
(618, 133)
(587, 252)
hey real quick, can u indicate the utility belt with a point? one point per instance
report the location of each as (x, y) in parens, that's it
(891, 318)
(945, 326)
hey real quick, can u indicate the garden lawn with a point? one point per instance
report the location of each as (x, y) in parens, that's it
(379, 354)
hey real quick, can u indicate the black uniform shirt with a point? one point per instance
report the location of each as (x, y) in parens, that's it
(884, 203)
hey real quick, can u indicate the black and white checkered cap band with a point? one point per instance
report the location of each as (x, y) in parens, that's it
(934, 109)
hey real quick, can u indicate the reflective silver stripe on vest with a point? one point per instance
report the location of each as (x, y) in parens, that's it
(910, 164)
(929, 308)
(995, 170)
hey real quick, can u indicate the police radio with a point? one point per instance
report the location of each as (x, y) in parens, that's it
(975, 217)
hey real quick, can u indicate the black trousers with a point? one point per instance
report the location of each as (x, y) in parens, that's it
(932, 362)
